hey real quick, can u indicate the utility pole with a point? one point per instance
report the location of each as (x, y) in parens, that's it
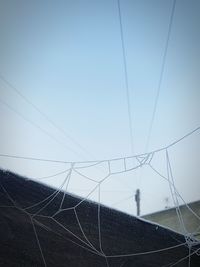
(166, 202)
(137, 199)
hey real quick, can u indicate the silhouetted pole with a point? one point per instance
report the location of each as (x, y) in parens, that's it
(137, 199)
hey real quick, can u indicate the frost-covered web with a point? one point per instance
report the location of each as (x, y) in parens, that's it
(95, 176)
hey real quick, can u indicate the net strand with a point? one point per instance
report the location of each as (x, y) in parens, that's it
(145, 159)
(105, 160)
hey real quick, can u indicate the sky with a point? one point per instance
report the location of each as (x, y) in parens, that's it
(66, 59)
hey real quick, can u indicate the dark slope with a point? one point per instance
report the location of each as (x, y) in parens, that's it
(120, 233)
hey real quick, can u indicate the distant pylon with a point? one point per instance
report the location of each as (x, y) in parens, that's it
(137, 199)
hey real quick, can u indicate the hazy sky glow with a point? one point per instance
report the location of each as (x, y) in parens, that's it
(66, 57)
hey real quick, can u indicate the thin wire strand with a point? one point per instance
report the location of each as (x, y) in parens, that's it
(99, 219)
(157, 172)
(189, 257)
(66, 188)
(38, 242)
(126, 79)
(85, 176)
(65, 228)
(184, 258)
(83, 232)
(51, 197)
(19, 114)
(146, 252)
(161, 75)
(121, 255)
(105, 160)
(122, 200)
(68, 239)
(173, 194)
(52, 175)
(44, 115)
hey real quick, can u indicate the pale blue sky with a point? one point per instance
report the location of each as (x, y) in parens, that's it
(66, 57)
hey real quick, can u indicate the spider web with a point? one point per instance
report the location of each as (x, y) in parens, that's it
(51, 213)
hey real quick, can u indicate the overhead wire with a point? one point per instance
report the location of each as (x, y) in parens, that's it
(163, 64)
(43, 114)
(130, 120)
(126, 78)
(161, 75)
(19, 114)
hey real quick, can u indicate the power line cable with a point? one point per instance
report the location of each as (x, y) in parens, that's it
(43, 114)
(37, 126)
(126, 78)
(161, 75)
(159, 82)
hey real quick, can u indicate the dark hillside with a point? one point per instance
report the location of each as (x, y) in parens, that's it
(73, 237)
